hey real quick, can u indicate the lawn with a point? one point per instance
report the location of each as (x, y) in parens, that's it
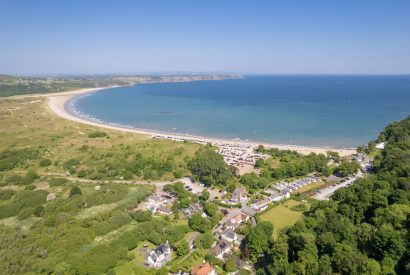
(281, 216)
(316, 185)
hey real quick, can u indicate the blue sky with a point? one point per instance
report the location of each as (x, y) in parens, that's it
(258, 37)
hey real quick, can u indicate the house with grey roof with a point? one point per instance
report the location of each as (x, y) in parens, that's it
(249, 211)
(229, 235)
(222, 249)
(159, 256)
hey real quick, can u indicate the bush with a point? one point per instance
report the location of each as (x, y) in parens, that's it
(82, 173)
(75, 191)
(30, 187)
(57, 181)
(198, 223)
(97, 134)
(25, 213)
(45, 162)
(141, 216)
(182, 248)
(204, 241)
(300, 207)
(29, 178)
(15, 179)
(39, 211)
(70, 163)
(7, 194)
(10, 159)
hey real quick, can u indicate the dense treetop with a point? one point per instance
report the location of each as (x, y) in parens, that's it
(363, 229)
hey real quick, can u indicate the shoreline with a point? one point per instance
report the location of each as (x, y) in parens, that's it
(57, 103)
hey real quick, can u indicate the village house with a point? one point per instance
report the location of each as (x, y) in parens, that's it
(157, 202)
(261, 204)
(203, 269)
(239, 195)
(237, 220)
(159, 256)
(229, 235)
(284, 194)
(164, 210)
(222, 249)
(194, 208)
(249, 211)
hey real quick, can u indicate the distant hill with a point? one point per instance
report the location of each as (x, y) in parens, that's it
(5, 76)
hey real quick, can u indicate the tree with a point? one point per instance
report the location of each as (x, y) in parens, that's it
(333, 155)
(258, 239)
(347, 168)
(204, 195)
(209, 168)
(211, 209)
(75, 191)
(388, 242)
(371, 147)
(230, 264)
(141, 216)
(198, 223)
(204, 241)
(259, 163)
(182, 248)
(184, 202)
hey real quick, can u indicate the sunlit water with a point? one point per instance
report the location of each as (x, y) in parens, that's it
(340, 111)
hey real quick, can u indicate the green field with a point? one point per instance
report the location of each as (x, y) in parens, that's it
(281, 216)
(93, 230)
(32, 137)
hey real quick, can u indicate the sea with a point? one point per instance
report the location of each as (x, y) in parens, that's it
(340, 111)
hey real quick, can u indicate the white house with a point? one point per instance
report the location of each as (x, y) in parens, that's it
(159, 256)
(381, 145)
(239, 195)
(261, 205)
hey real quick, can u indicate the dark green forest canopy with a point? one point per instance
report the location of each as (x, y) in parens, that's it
(363, 229)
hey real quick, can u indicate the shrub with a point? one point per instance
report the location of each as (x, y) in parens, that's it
(300, 207)
(70, 163)
(204, 241)
(97, 134)
(57, 181)
(15, 179)
(182, 248)
(7, 194)
(141, 216)
(25, 213)
(82, 173)
(45, 162)
(39, 211)
(30, 187)
(75, 191)
(10, 159)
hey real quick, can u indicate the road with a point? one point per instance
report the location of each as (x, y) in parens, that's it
(327, 192)
(187, 181)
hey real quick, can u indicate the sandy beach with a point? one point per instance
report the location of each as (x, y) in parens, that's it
(56, 102)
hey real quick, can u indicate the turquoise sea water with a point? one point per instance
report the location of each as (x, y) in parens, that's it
(340, 111)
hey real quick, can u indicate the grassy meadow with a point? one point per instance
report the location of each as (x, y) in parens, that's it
(32, 137)
(86, 226)
(282, 216)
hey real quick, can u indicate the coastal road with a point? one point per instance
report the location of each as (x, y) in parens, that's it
(187, 181)
(327, 192)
